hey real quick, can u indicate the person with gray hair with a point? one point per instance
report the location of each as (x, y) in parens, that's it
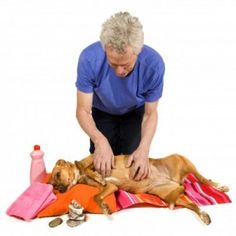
(119, 82)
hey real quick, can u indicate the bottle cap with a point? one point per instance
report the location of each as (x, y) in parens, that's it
(36, 147)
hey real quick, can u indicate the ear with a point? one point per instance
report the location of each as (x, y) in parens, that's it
(70, 164)
(51, 181)
(60, 162)
(79, 166)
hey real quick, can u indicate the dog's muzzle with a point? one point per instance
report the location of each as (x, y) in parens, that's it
(61, 188)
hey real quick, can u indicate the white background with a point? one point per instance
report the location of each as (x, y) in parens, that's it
(39, 47)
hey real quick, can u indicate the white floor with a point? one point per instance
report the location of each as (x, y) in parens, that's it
(136, 221)
(39, 47)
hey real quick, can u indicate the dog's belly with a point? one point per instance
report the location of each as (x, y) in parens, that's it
(159, 176)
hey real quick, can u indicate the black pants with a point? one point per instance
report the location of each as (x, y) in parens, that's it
(123, 132)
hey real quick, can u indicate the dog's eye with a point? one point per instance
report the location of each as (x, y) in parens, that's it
(58, 175)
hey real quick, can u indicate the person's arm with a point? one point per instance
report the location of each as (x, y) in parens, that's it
(139, 158)
(103, 155)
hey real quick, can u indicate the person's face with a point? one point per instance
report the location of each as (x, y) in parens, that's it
(123, 63)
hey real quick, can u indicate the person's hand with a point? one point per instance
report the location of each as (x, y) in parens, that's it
(104, 159)
(139, 165)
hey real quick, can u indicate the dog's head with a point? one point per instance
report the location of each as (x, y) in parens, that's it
(64, 176)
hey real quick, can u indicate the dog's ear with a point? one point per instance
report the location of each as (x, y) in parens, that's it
(70, 164)
(79, 166)
(51, 181)
(60, 162)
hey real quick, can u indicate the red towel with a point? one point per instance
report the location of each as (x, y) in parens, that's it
(196, 192)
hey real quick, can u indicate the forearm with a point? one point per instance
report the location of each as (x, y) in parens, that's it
(87, 123)
(140, 168)
(149, 125)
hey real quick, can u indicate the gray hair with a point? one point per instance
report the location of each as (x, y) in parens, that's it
(122, 30)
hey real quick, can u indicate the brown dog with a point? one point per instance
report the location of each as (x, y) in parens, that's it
(165, 180)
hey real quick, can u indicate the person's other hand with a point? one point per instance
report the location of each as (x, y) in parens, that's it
(139, 165)
(104, 159)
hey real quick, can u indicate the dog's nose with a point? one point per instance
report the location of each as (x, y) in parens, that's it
(62, 188)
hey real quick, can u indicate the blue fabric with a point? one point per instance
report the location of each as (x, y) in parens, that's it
(116, 95)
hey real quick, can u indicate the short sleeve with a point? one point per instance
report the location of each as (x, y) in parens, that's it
(154, 86)
(85, 77)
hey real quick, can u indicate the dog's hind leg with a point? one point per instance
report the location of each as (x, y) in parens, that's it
(203, 215)
(171, 194)
(105, 191)
(172, 197)
(168, 192)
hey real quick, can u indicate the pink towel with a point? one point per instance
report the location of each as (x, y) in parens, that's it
(36, 197)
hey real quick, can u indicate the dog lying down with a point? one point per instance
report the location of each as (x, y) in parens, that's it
(165, 180)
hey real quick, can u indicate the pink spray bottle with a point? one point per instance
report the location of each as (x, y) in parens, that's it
(38, 169)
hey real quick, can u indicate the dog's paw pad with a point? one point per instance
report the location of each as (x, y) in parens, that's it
(205, 218)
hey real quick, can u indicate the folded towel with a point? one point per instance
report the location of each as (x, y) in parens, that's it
(196, 192)
(35, 198)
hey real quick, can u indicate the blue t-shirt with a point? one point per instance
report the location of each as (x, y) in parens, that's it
(116, 95)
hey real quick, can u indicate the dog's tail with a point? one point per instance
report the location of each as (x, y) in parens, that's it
(204, 180)
(192, 169)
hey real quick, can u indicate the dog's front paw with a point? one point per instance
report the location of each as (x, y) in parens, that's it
(105, 209)
(205, 218)
(172, 206)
